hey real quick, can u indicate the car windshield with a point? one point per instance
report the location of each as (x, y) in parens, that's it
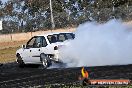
(60, 37)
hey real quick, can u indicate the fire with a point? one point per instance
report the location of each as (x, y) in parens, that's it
(84, 73)
(84, 80)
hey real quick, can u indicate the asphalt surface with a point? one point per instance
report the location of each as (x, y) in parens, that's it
(11, 76)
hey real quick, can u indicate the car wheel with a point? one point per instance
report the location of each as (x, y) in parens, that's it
(46, 62)
(20, 61)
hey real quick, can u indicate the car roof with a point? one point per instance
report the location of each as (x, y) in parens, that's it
(52, 33)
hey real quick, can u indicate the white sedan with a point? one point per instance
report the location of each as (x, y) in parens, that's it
(42, 49)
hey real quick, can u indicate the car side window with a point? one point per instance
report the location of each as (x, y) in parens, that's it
(37, 42)
(40, 42)
(62, 37)
(52, 38)
(30, 43)
(69, 36)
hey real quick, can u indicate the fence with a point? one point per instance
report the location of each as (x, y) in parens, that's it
(28, 35)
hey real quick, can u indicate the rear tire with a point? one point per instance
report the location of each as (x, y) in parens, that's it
(20, 61)
(46, 62)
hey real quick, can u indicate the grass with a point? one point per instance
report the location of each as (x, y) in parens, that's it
(8, 50)
(8, 54)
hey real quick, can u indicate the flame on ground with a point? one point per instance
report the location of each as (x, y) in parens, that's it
(84, 73)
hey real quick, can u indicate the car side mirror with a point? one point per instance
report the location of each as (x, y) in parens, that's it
(23, 46)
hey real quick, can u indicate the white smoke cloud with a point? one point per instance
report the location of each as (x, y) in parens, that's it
(99, 44)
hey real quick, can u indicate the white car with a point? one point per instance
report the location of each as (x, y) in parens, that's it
(42, 49)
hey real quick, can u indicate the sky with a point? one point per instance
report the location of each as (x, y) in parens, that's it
(4, 1)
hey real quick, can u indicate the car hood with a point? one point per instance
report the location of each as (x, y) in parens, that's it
(19, 50)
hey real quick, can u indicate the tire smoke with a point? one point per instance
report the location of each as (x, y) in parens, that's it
(99, 44)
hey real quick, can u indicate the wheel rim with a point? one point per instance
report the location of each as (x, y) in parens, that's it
(45, 63)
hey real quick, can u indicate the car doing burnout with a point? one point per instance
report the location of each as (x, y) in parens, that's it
(42, 49)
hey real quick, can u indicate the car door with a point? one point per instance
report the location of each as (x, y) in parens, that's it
(33, 49)
(27, 51)
(39, 44)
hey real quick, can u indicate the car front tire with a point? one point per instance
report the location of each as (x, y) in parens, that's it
(46, 62)
(20, 61)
